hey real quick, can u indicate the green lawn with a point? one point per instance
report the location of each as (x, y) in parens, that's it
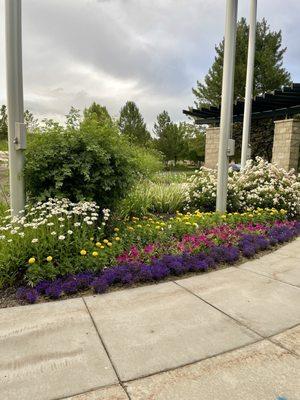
(3, 145)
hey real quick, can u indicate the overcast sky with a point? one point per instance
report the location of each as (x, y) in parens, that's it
(109, 51)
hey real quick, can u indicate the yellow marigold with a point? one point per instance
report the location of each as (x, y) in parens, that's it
(250, 215)
(83, 252)
(157, 227)
(117, 238)
(282, 211)
(98, 244)
(91, 239)
(105, 241)
(95, 254)
(130, 228)
(49, 258)
(102, 247)
(31, 260)
(116, 229)
(109, 244)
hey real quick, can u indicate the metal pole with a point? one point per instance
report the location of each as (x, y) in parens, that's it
(249, 83)
(15, 107)
(227, 102)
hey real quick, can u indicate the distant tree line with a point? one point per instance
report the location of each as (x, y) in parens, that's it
(175, 141)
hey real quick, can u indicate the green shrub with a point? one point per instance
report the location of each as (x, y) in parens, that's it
(91, 163)
(149, 161)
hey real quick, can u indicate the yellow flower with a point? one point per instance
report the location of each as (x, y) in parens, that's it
(250, 215)
(105, 241)
(139, 226)
(83, 252)
(31, 260)
(116, 229)
(282, 211)
(98, 244)
(130, 228)
(109, 244)
(101, 247)
(49, 258)
(157, 227)
(95, 254)
(91, 239)
(117, 238)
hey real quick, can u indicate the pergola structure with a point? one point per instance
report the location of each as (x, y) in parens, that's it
(281, 103)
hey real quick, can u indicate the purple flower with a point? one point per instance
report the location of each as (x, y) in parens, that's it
(99, 285)
(70, 286)
(84, 279)
(54, 290)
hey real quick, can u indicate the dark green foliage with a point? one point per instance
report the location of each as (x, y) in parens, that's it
(171, 142)
(269, 73)
(3, 122)
(92, 163)
(132, 125)
(261, 138)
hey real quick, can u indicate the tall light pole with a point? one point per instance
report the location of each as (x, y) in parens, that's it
(15, 107)
(249, 84)
(227, 102)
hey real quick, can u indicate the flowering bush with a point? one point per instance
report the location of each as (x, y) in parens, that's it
(50, 239)
(259, 185)
(59, 238)
(246, 241)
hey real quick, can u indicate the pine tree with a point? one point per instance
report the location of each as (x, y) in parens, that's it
(269, 73)
(131, 124)
(163, 120)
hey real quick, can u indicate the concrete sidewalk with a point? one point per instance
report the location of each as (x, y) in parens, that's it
(229, 334)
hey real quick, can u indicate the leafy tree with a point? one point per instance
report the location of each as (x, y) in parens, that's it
(3, 122)
(194, 139)
(269, 73)
(171, 142)
(132, 125)
(32, 124)
(98, 113)
(73, 118)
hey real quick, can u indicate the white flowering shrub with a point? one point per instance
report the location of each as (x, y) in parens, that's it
(46, 240)
(260, 185)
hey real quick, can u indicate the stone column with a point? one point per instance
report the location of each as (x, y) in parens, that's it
(286, 144)
(212, 147)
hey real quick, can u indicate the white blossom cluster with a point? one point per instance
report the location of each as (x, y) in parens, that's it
(58, 217)
(260, 185)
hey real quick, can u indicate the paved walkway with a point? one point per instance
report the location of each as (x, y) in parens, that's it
(230, 334)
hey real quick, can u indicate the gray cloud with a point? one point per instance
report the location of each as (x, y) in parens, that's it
(78, 51)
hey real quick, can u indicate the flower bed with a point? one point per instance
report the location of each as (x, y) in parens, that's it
(154, 262)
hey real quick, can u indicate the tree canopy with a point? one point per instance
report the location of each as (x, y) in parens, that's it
(269, 73)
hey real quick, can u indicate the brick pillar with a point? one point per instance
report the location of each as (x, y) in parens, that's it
(286, 144)
(212, 147)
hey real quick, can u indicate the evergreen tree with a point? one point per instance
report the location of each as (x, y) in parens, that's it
(163, 120)
(131, 124)
(269, 73)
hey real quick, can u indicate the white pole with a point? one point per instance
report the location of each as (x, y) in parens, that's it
(227, 102)
(249, 83)
(15, 103)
